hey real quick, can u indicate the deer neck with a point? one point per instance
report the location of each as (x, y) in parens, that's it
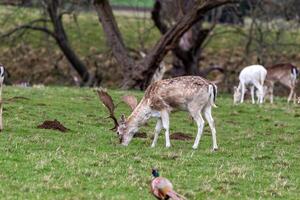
(140, 114)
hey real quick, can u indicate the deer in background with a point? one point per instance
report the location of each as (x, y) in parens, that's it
(284, 73)
(1, 102)
(189, 93)
(254, 76)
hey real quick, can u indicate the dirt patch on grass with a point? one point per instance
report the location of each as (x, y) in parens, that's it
(54, 125)
(180, 136)
(16, 98)
(173, 136)
(41, 104)
(140, 135)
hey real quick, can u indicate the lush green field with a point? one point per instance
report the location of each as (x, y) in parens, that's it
(258, 156)
(133, 3)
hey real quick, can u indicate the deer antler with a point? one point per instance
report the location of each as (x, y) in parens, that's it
(130, 100)
(109, 104)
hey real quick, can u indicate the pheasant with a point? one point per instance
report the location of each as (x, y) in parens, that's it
(162, 188)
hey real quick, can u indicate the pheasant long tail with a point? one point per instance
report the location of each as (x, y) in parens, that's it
(175, 196)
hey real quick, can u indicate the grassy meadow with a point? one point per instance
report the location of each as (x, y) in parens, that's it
(258, 155)
(133, 3)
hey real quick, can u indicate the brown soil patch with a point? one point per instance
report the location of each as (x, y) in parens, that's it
(41, 104)
(180, 136)
(16, 98)
(140, 135)
(55, 125)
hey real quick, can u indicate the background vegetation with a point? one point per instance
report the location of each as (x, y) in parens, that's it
(33, 49)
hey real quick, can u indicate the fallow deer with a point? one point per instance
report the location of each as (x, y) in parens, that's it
(1, 103)
(189, 93)
(285, 74)
(254, 76)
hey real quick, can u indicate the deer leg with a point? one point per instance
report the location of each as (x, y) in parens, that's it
(210, 120)
(252, 94)
(157, 130)
(200, 124)
(260, 92)
(165, 124)
(295, 96)
(291, 94)
(243, 92)
(272, 94)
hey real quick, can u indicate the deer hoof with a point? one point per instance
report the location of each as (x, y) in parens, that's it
(214, 149)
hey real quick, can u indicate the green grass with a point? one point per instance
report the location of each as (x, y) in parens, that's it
(133, 3)
(258, 156)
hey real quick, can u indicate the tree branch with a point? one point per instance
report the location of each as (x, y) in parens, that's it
(139, 74)
(30, 26)
(155, 15)
(169, 40)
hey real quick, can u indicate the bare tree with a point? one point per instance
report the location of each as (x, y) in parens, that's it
(55, 11)
(188, 50)
(137, 74)
(269, 28)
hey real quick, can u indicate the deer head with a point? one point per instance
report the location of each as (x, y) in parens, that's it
(121, 127)
(236, 95)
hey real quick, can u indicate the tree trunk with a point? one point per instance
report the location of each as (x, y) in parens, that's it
(63, 42)
(187, 53)
(115, 41)
(138, 74)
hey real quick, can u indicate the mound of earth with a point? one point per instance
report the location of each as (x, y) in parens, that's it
(16, 98)
(180, 136)
(140, 135)
(54, 125)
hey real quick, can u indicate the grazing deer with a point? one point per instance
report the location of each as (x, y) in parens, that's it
(284, 73)
(1, 103)
(190, 93)
(254, 76)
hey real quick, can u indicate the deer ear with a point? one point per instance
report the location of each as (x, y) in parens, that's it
(130, 100)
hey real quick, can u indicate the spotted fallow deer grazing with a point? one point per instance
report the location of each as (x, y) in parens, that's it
(189, 93)
(1, 103)
(285, 74)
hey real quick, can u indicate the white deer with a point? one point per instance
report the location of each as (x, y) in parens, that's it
(285, 74)
(253, 76)
(1, 103)
(189, 93)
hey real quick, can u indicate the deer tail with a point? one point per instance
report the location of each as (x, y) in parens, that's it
(212, 91)
(294, 73)
(175, 196)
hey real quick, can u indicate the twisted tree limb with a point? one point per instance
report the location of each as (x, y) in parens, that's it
(138, 74)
